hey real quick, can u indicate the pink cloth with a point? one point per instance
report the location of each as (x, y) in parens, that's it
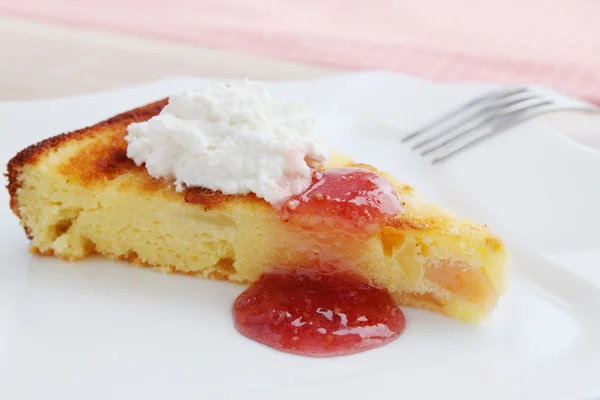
(552, 42)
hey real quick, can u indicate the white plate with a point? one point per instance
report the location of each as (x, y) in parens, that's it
(96, 329)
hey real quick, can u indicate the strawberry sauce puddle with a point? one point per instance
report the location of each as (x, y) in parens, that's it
(310, 312)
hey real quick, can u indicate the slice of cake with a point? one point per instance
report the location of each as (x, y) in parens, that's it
(80, 193)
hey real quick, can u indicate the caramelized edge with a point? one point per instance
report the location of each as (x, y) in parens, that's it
(32, 154)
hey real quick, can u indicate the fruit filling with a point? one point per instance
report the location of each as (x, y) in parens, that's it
(316, 313)
(457, 278)
(354, 199)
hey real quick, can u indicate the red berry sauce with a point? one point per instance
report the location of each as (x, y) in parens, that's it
(353, 198)
(317, 314)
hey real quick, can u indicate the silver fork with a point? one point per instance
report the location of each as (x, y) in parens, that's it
(486, 116)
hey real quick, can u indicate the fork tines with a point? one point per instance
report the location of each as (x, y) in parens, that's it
(480, 119)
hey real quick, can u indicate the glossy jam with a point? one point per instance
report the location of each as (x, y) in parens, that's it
(352, 198)
(317, 314)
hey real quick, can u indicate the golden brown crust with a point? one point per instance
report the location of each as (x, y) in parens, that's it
(71, 184)
(210, 199)
(494, 242)
(105, 159)
(35, 250)
(134, 259)
(31, 154)
(108, 161)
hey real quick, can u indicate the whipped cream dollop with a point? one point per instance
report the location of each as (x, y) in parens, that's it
(230, 137)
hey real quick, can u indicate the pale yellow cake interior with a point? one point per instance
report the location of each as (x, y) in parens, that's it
(433, 260)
